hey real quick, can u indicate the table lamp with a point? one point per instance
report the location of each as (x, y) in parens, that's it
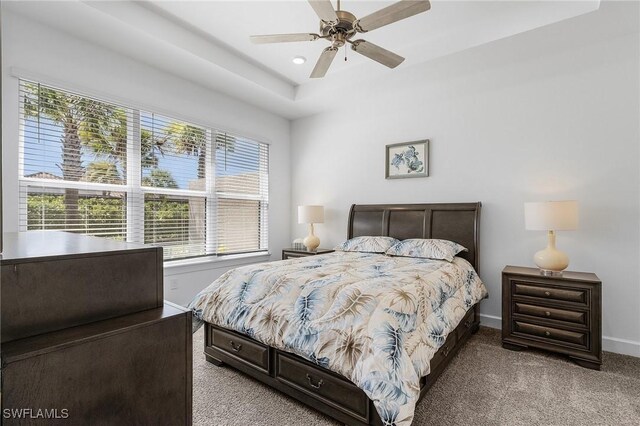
(551, 216)
(311, 215)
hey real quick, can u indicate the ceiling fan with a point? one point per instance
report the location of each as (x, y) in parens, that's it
(339, 27)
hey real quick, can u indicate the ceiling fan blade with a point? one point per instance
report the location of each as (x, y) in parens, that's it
(283, 38)
(324, 62)
(377, 53)
(390, 14)
(324, 9)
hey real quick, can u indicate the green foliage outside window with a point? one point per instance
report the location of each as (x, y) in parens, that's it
(94, 139)
(103, 216)
(100, 129)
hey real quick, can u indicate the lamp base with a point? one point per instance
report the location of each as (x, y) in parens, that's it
(311, 242)
(550, 273)
(551, 260)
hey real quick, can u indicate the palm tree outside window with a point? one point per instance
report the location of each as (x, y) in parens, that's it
(96, 167)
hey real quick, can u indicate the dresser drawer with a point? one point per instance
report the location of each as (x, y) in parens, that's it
(242, 347)
(576, 295)
(574, 317)
(552, 334)
(327, 388)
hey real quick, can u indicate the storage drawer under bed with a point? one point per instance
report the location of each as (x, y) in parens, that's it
(327, 387)
(309, 383)
(241, 347)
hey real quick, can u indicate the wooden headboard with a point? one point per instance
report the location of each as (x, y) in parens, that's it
(459, 222)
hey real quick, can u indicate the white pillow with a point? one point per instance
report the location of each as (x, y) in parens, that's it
(427, 248)
(367, 244)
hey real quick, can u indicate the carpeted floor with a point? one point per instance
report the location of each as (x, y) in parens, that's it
(484, 385)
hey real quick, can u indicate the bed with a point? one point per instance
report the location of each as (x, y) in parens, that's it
(246, 330)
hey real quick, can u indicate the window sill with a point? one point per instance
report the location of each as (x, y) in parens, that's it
(213, 262)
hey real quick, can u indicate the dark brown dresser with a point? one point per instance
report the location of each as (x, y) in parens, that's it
(557, 313)
(86, 335)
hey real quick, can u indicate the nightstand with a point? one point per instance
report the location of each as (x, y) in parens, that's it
(290, 253)
(556, 313)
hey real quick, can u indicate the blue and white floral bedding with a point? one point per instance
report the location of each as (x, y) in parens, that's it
(375, 319)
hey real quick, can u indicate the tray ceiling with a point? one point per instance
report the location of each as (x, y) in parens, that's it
(208, 41)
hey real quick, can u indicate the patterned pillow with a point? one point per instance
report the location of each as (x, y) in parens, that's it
(368, 244)
(431, 249)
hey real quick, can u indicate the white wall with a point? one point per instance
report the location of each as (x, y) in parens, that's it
(550, 114)
(38, 51)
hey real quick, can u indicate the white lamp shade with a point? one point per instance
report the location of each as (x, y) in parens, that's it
(310, 214)
(551, 216)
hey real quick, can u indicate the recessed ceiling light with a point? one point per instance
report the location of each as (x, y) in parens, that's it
(299, 60)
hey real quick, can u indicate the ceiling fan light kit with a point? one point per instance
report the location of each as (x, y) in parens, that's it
(340, 26)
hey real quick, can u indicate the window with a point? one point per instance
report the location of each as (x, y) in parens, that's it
(93, 167)
(241, 185)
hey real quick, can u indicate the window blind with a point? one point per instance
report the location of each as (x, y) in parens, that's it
(176, 181)
(73, 162)
(94, 167)
(242, 190)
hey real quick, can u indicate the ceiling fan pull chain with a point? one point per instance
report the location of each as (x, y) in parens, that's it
(345, 53)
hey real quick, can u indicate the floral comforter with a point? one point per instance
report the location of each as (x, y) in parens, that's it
(375, 319)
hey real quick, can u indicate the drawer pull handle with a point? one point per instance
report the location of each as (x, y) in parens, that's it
(547, 313)
(315, 386)
(468, 323)
(236, 348)
(546, 333)
(445, 351)
(547, 293)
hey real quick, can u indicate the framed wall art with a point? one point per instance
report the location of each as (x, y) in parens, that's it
(407, 160)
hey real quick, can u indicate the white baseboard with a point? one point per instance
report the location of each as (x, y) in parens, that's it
(609, 344)
(491, 321)
(621, 346)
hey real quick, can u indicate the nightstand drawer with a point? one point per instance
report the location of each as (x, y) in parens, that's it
(292, 253)
(575, 317)
(293, 256)
(576, 295)
(552, 334)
